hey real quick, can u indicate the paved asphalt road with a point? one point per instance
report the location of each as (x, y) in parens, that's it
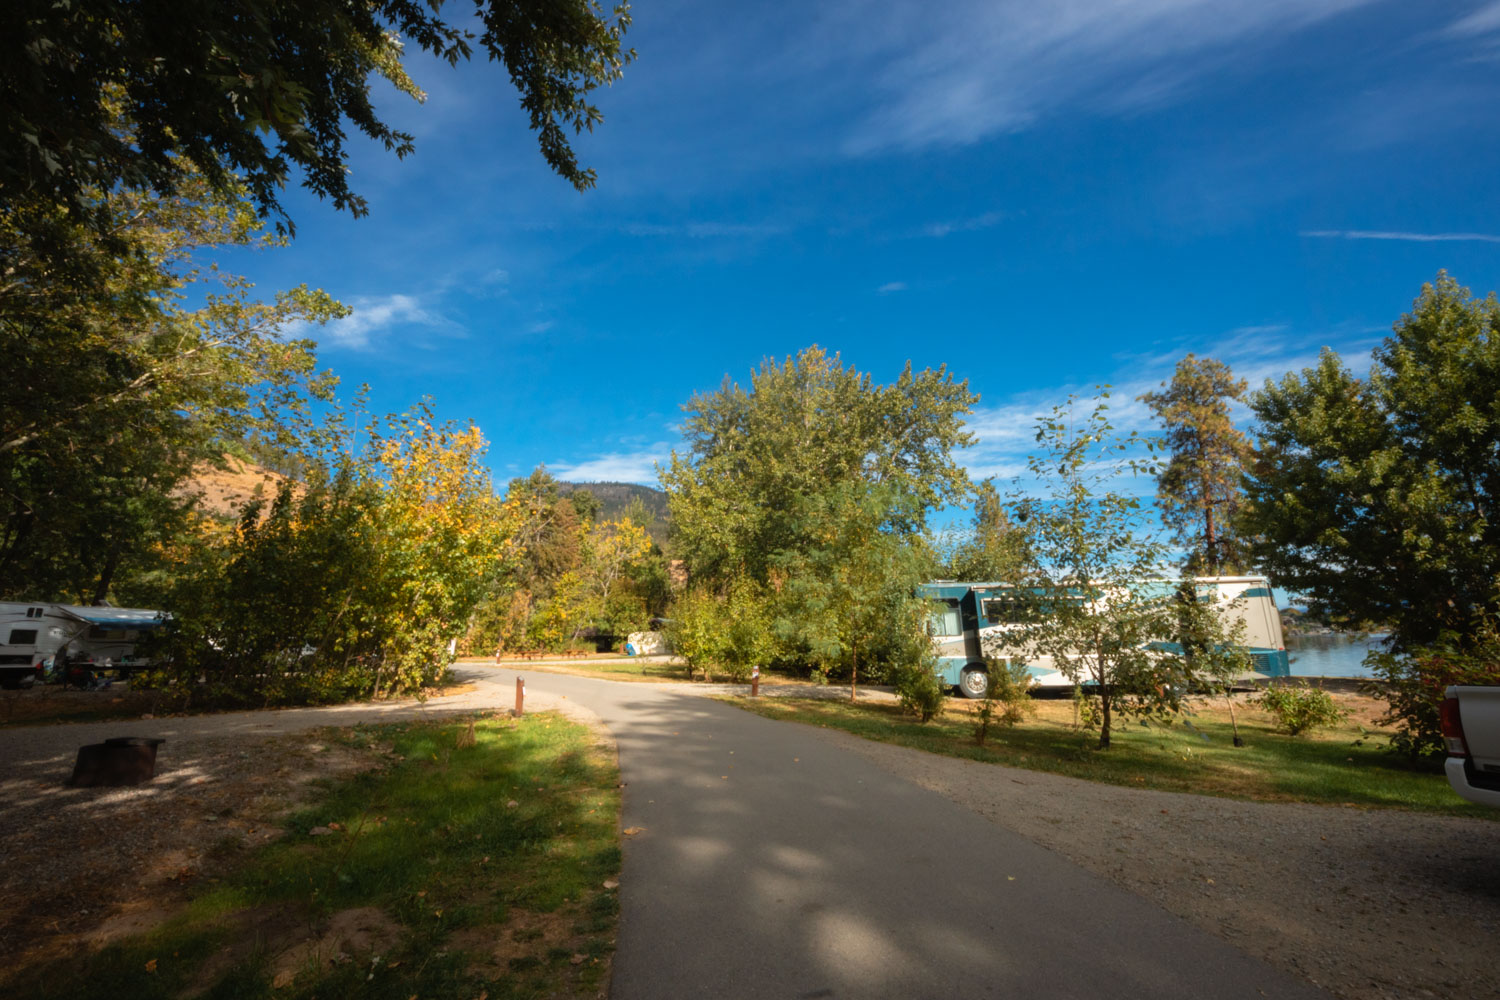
(773, 864)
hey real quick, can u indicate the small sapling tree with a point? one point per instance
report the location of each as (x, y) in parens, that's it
(1008, 700)
(1087, 612)
(1211, 639)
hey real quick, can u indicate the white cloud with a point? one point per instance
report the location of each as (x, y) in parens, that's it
(1378, 234)
(958, 73)
(373, 316)
(891, 286)
(1478, 22)
(940, 229)
(622, 467)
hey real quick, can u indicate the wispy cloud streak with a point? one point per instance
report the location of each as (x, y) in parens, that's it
(938, 230)
(960, 72)
(1478, 22)
(704, 230)
(1381, 234)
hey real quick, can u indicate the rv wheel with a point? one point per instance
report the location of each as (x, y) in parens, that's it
(974, 682)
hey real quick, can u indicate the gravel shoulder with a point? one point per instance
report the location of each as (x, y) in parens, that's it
(1371, 905)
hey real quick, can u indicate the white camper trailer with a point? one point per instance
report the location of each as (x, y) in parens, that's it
(102, 638)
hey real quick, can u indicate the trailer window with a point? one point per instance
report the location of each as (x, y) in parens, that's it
(22, 637)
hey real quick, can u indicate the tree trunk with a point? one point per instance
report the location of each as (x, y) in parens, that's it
(1210, 536)
(1105, 716)
(854, 675)
(107, 574)
(1234, 724)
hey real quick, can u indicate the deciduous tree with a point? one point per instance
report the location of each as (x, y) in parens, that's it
(848, 599)
(993, 548)
(233, 90)
(351, 583)
(802, 426)
(119, 386)
(815, 484)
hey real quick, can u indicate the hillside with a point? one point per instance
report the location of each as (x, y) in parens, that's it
(615, 497)
(224, 492)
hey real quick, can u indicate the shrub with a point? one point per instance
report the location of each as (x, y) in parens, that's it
(919, 690)
(1414, 686)
(1008, 700)
(748, 640)
(1087, 711)
(696, 630)
(1300, 709)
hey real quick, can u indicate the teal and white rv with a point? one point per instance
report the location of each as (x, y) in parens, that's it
(970, 620)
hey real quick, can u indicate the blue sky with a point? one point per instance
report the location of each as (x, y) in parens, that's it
(1041, 194)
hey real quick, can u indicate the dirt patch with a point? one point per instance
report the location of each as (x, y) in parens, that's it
(347, 935)
(495, 950)
(292, 944)
(96, 864)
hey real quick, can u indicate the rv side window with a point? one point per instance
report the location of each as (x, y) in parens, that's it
(1004, 611)
(945, 620)
(22, 636)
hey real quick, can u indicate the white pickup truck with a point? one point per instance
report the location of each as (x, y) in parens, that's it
(1471, 728)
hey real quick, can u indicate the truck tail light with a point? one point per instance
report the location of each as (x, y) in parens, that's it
(1453, 728)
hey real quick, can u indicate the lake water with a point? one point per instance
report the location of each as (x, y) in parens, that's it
(1330, 655)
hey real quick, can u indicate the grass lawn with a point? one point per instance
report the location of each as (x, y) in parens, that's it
(1341, 766)
(454, 869)
(622, 668)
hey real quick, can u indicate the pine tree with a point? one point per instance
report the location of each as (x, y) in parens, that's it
(1199, 491)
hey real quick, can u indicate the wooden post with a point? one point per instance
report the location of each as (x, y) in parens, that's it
(520, 696)
(755, 682)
